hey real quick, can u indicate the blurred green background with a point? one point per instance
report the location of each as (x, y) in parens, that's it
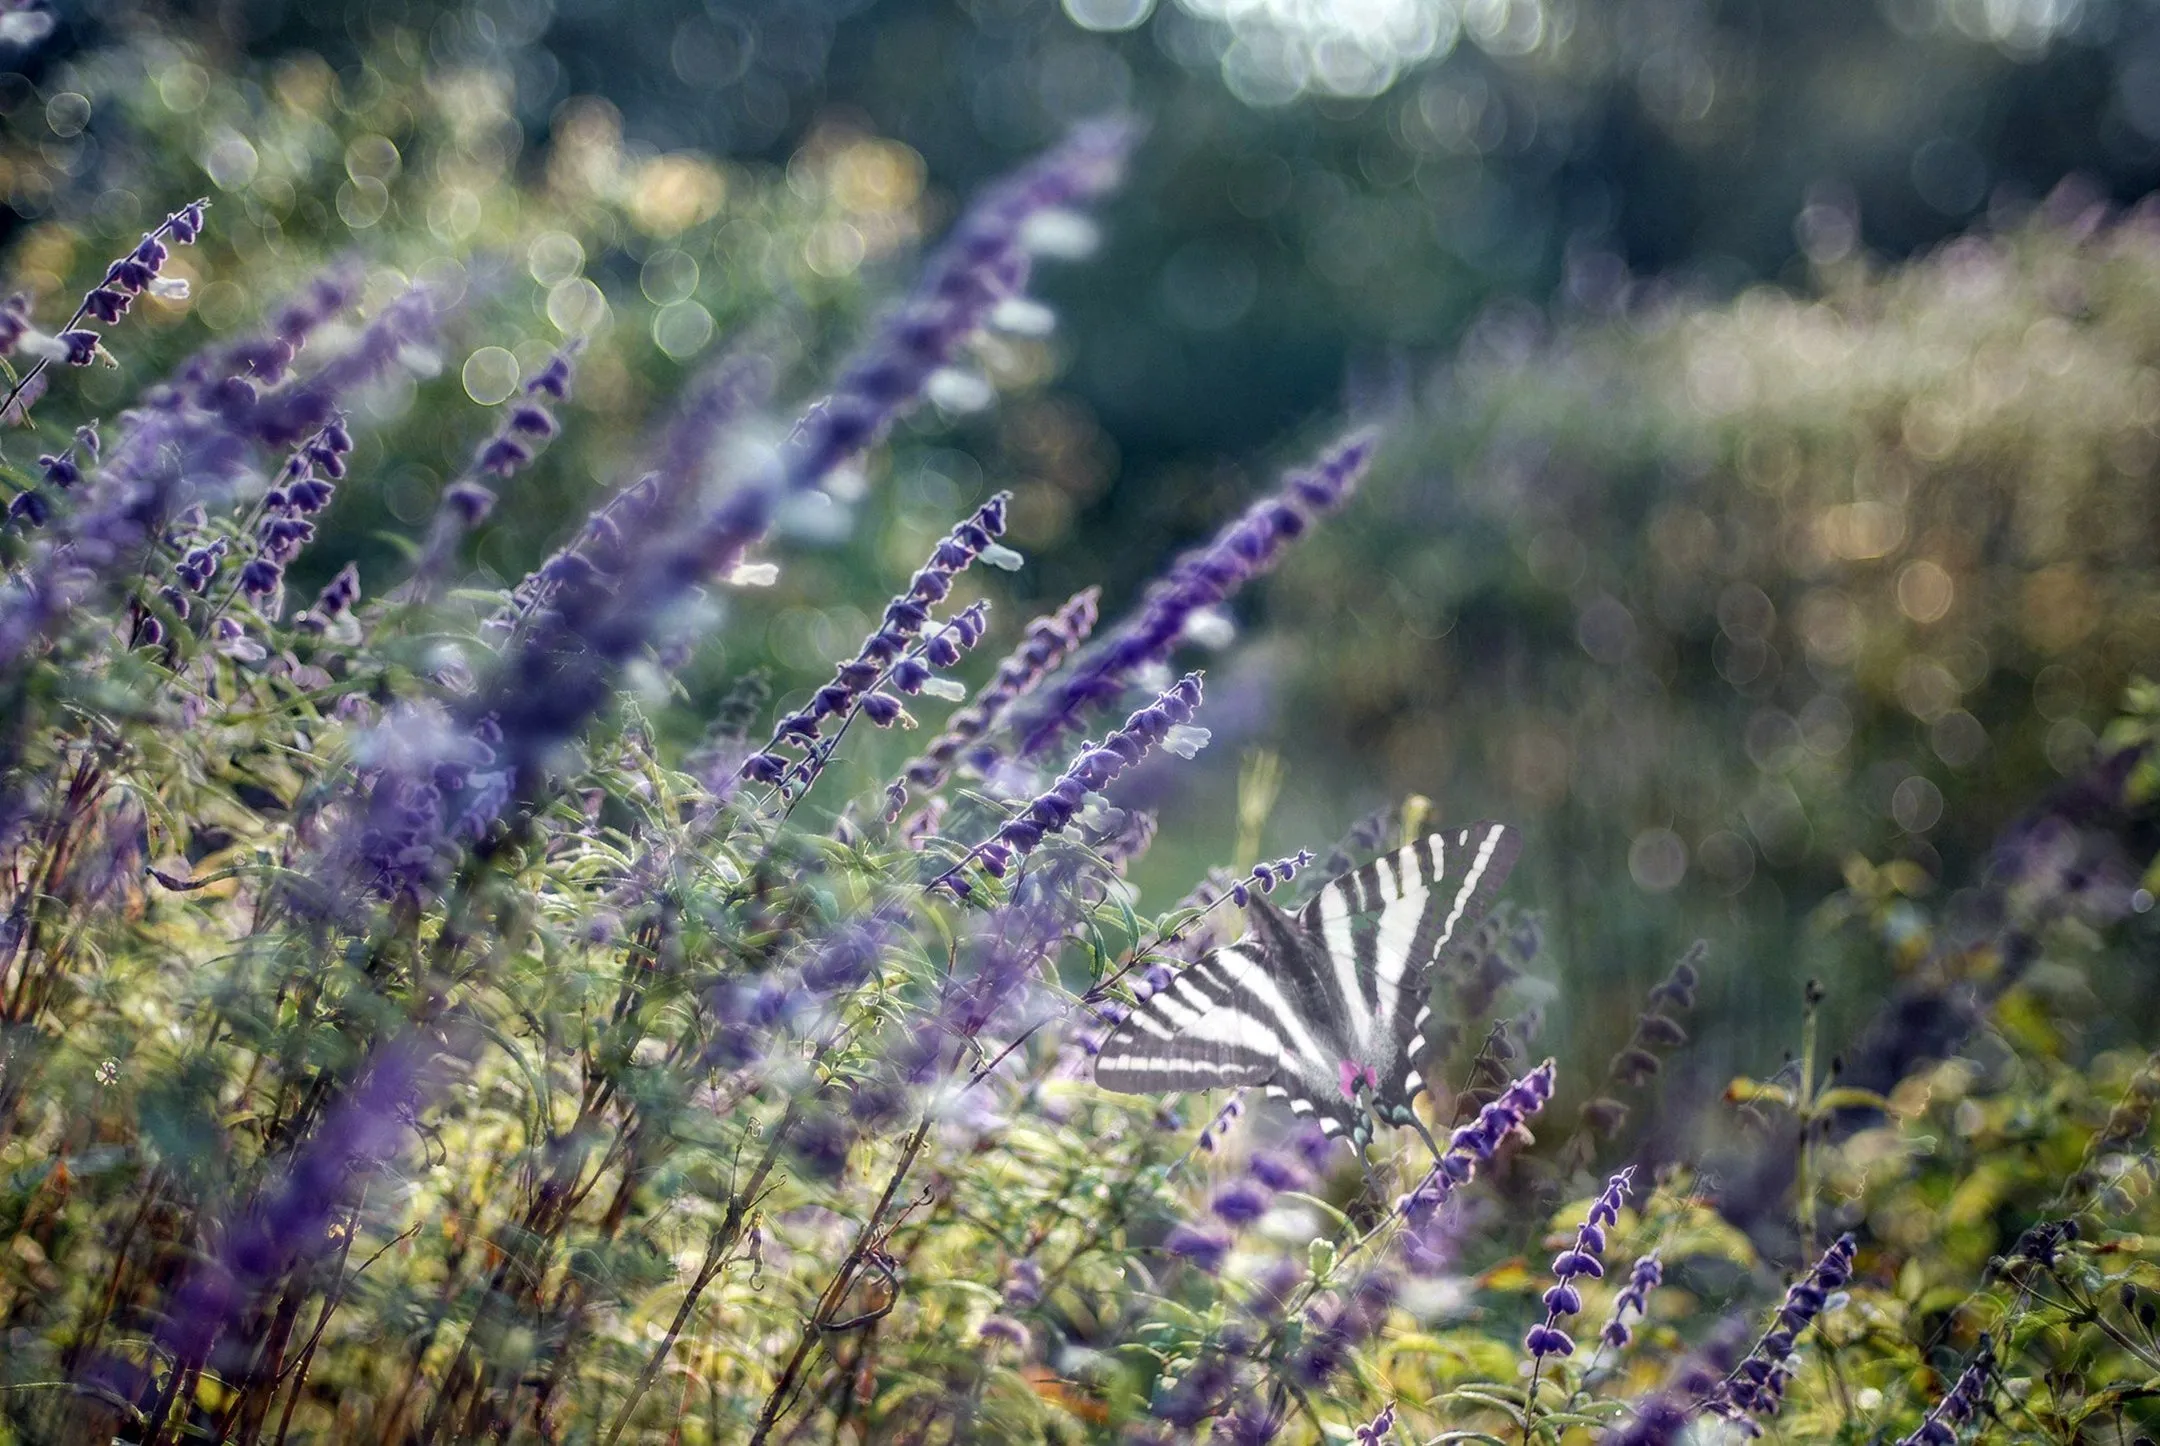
(1773, 391)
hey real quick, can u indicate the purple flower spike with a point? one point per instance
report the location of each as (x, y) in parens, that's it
(985, 262)
(896, 652)
(1053, 810)
(1239, 1203)
(1579, 1261)
(1202, 1248)
(1048, 643)
(1963, 1403)
(1475, 1144)
(1634, 1297)
(1198, 580)
(1756, 1387)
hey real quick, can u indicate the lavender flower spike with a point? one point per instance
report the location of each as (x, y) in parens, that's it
(984, 263)
(1200, 579)
(1961, 1405)
(1475, 1143)
(889, 654)
(1578, 1260)
(1089, 773)
(1756, 1386)
(1645, 1276)
(125, 279)
(1049, 642)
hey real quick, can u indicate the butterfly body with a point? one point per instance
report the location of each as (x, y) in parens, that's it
(1325, 1009)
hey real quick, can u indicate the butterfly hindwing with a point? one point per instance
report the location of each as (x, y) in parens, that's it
(1302, 1003)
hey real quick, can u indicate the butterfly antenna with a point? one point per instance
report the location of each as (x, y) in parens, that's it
(1410, 1118)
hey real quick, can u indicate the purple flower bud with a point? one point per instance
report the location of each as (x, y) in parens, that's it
(186, 224)
(128, 274)
(883, 709)
(532, 420)
(502, 456)
(29, 510)
(941, 651)
(1204, 1249)
(106, 304)
(1571, 1263)
(470, 503)
(1563, 1299)
(309, 494)
(1239, 1203)
(1545, 1340)
(909, 675)
(552, 380)
(81, 347)
(260, 577)
(930, 585)
(1277, 1172)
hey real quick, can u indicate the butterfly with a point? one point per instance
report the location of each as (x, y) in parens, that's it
(1326, 1008)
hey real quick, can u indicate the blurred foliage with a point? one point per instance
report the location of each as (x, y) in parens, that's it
(1767, 616)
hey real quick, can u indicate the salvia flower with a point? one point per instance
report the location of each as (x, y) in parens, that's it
(1475, 1143)
(1090, 772)
(288, 1221)
(891, 653)
(1047, 643)
(125, 279)
(1579, 1260)
(1240, 1203)
(1961, 1405)
(1224, 1117)
(1006, 1331)
(1378, 1429)
(1645, 1276)
(985, 262)
(1756, 1387)
(1200, 579)
(1204, 1249)
(1269, 876)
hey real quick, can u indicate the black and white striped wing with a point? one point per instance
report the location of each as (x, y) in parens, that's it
(1299, 1003)
(1238, 1017)
(1381, 929)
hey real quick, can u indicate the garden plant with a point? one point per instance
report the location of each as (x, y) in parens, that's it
(464, 976)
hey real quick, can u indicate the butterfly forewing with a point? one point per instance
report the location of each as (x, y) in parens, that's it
(1298, 1005)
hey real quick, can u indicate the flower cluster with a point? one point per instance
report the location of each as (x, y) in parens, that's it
(1378, 1429)
(303, 487)
(127, 278)
(528, 423)
(1046, 644)
(1962, 1403)
(1475, 1144)
(1269, 876)
(1645, 1276)
(1756, 1387)
(1197, 581)
(1090, 772)
(60, 471)
(889, 656)
(1267, 1174)
(984, 266)
(1579, 1261)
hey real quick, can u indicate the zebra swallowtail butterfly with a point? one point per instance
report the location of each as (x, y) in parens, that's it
(1326, 1008)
